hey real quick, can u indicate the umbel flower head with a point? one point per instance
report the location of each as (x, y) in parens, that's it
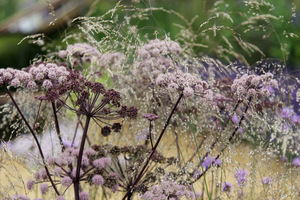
(187, 83)
(90, 99)
(41, 75)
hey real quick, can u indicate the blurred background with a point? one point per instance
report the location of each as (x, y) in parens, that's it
(20, 18)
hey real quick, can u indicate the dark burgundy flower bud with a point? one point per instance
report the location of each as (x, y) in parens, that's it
(105, 131)
(116, 127)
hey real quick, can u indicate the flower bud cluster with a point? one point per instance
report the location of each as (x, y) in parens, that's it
(81, 52)
(157, 47)
(46, 75)
(84, 51)
(259, 86)
(187, 83)
(154, 55)
(168, 190)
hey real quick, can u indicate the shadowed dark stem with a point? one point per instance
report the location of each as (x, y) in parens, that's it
(79, 160)
(135, 182)
(150, 134)
(35, 139)
(229, 140)
(57, 126)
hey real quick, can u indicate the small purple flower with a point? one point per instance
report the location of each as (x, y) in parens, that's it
(101, 163)
(44, 188)
(89, 152)
(60, 198)
(68, 143)
(84, 196)
(22, 197)
(188, 92)
(227, 186)
(266, 180)
(296, 162)
(241, 176)
(97, 180)
(51, 160)
(235, 119)
(30, 184)
(208, 161)
(57, 171)
(66, 181)
(150, 117)
(287, 112)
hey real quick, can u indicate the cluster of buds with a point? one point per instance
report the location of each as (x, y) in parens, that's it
(256, 86)
(168, 190)
(95, 168)
(45, 75)
(80, 53)
(85, 52)
(157, 47)
(154, 56)
(189, 84)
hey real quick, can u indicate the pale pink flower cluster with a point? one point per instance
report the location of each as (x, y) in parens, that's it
(86, 52)
(45, 74)
(187, 83)
(157, 47)
(81, 52)
(168, 190)
(259, 86)
(101, 163)
(154, 55)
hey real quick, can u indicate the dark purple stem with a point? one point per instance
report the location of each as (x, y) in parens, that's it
(35, 138)
(57, 126)
(129, 191)
(79, 160)
(150, 134)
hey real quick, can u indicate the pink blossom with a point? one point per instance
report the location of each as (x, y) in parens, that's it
(57, 171)
(60, 198)
(90, 152)
(31, 85)
(66, 181)
(84, 196)
(188, 92)
(7, 76)
(47, 84)
(15, 82)
(30, 184)
(44, 188)
(97, 180)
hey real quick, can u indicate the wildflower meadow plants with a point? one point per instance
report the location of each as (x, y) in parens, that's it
(137, 117)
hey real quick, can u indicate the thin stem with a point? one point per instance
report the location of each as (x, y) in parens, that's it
(229, 140)
(79, 160)
(150, 134)
(129, 191)
(34, 137)
(57, 126)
